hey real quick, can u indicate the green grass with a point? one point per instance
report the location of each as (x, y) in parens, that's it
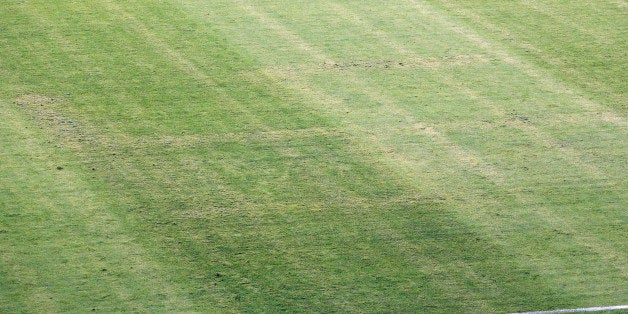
(312, 156)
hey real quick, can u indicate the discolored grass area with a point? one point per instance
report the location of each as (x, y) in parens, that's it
(311, 156)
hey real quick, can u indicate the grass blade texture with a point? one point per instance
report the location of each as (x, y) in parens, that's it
(312, 156)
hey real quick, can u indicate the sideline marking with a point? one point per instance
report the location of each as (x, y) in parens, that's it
(581, 310)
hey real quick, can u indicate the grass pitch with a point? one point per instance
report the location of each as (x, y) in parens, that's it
(312, 156)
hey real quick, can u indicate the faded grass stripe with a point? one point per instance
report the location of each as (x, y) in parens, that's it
(184, 64)
(93, 210)
(571, 156)
(198, 140)
(461, 154)
(540, 75)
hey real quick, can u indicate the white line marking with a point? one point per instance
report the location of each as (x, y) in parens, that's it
(582, 310)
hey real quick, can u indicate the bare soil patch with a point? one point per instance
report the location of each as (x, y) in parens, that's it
(419, 62)
(44, 111)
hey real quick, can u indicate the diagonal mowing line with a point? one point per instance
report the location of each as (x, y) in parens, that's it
(462, 155)
(622, 4)
(611, 257)
(365, 135)
(601, 111)
(543, 9)
(188, 67)
(135, 254)
(525, 67)
(284, 32)
(570, 155)
(93, 210)
(369, 142)
(184, 64)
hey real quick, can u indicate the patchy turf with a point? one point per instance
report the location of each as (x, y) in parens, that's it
(247, 156)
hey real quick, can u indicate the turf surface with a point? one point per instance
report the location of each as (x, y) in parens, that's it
(312, 156)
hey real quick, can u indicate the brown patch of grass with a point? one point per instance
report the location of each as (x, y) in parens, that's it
(44, 110)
